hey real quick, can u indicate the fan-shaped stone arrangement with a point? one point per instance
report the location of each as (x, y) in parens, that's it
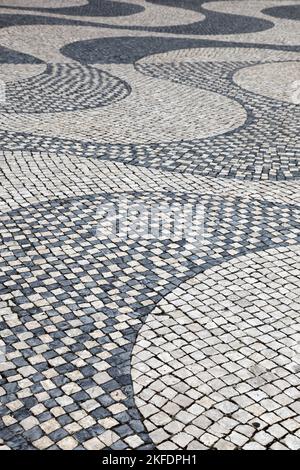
(63, 87)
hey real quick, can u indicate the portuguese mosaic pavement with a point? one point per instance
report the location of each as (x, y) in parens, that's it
(144, 342)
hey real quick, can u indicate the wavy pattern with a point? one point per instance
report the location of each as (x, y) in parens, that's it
(149, 223)
(210, 23)
(43, 3)
(289, 12)
(267, 117)
(124, 50)
(214, 23)
(265, 145)
(63, 87)
(214, 350)
(9, 56)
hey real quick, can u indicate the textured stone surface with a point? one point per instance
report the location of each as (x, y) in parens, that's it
(231, 334)
(149, 340)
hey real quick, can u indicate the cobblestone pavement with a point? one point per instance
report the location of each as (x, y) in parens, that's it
(149, 225)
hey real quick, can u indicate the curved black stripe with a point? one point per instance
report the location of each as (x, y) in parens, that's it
(129, 49)
(93, 8)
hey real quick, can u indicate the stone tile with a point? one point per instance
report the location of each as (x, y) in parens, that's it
(134, 340)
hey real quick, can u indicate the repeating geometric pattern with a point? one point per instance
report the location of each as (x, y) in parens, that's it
(63, 87)
(146, 339)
